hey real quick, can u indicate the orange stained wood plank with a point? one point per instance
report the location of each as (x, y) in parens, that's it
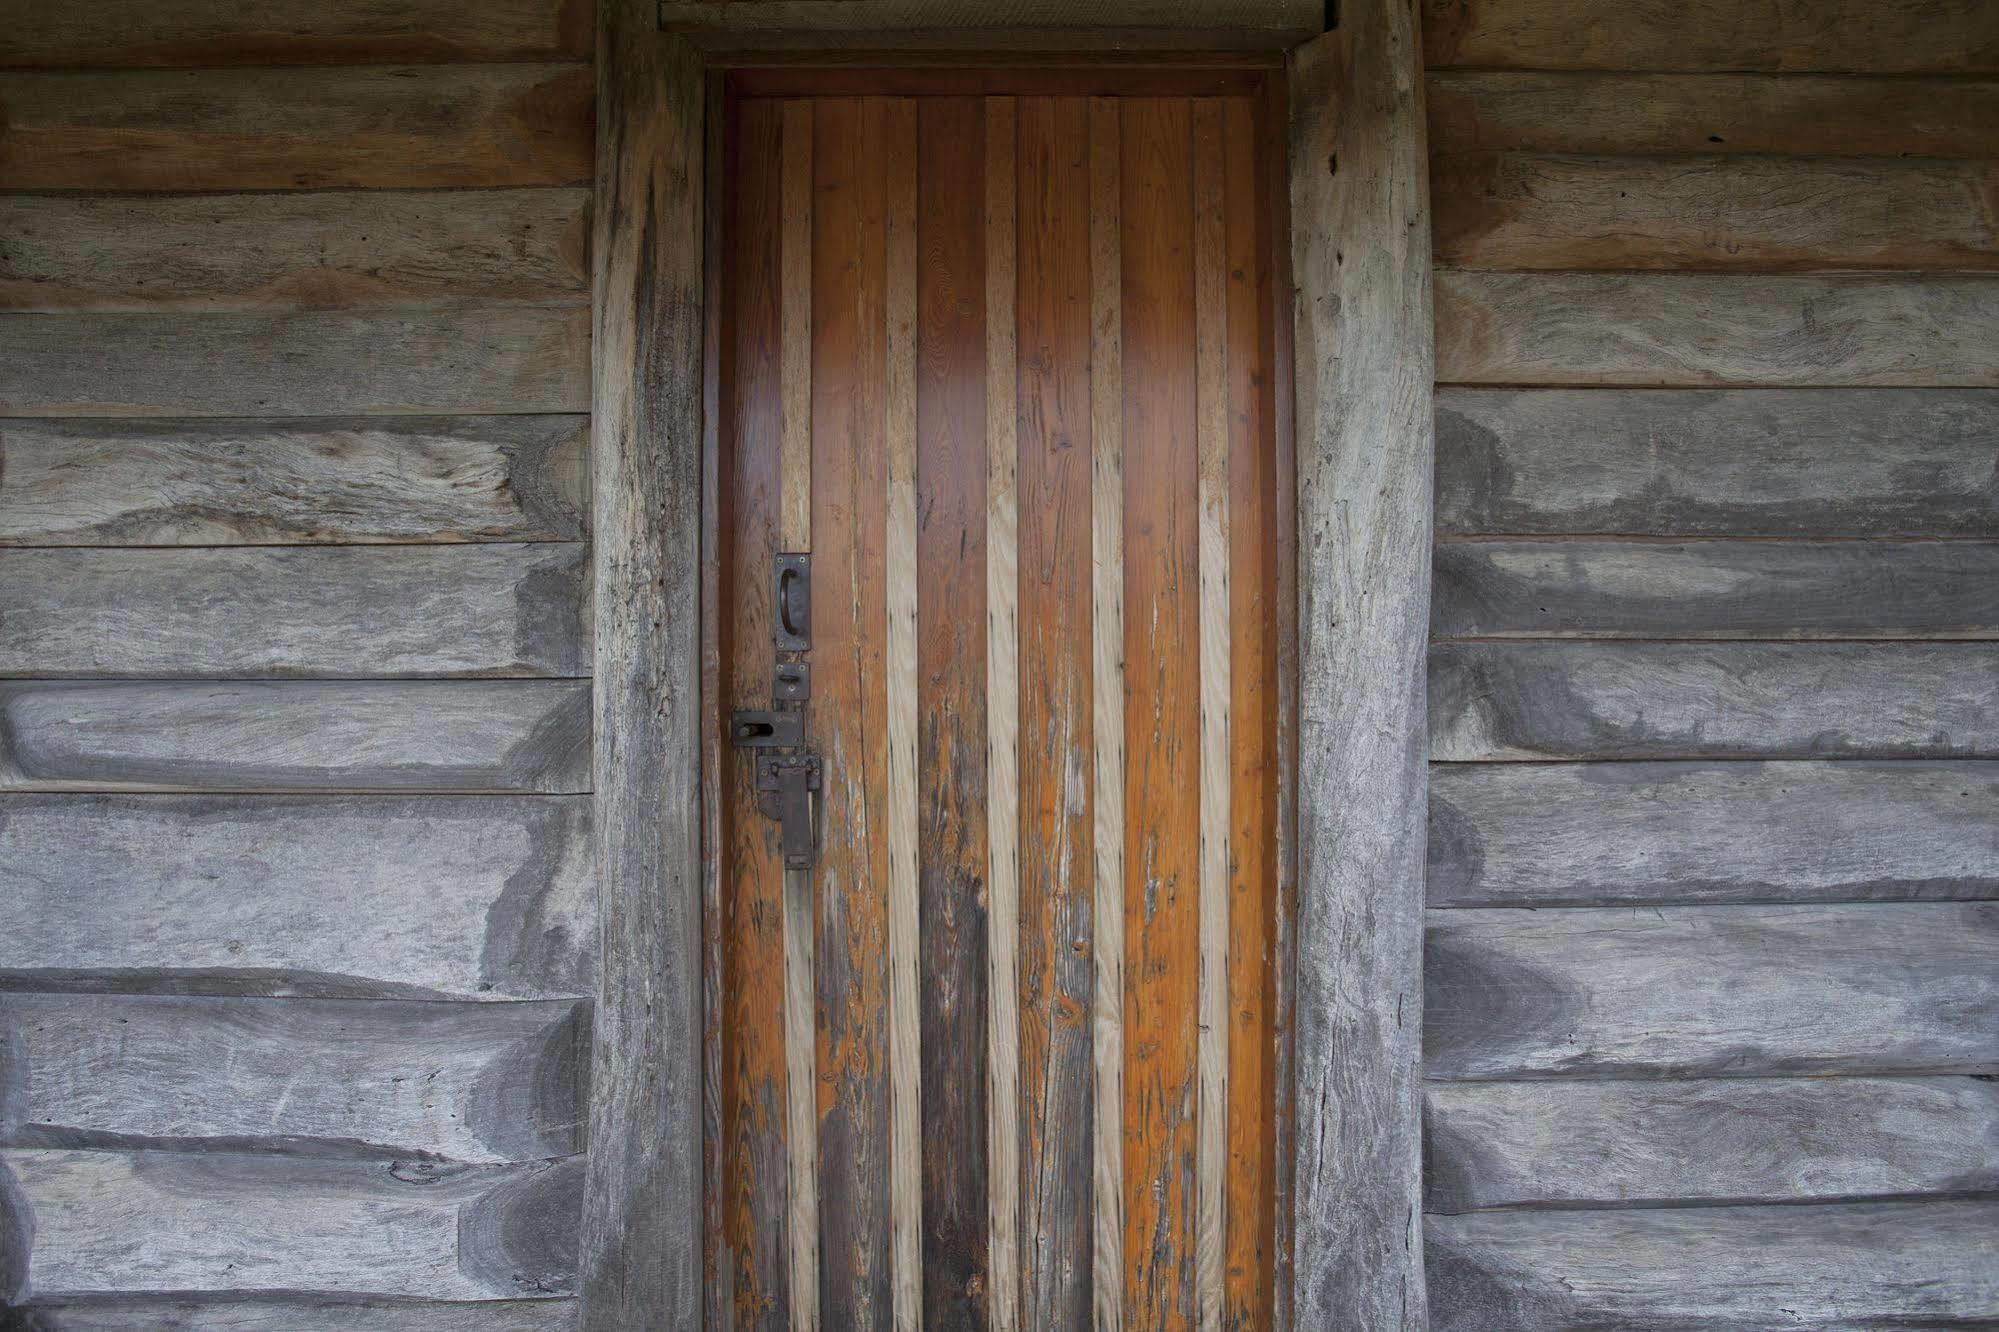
(848, 714)
(1162, 713)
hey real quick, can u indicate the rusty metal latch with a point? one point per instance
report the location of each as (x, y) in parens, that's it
(788, 773)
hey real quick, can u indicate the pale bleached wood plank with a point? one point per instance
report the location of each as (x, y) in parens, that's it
(347, 612)
(302, 1313)
(124, 892)
(325, 1077)
(277, 482)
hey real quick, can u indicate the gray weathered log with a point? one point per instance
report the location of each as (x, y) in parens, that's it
(1839, 1268)
(460, 735)
(211, 252)
(160, 1222)
(104, 482)
(1707, 462)
(482, 358)
(1690, 991)
(304, 1313)
(316, 1077)
(310, 895)
(352, 612)
(1513, 701)
(1715, 589)
(1744, 1140)
(1360, 253)
(1696, 329)
(1584, 834)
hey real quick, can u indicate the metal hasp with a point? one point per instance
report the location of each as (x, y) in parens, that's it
(789, 775)
(786, 785)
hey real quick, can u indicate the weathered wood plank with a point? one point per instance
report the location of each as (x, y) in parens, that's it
(125, 893)
(275, 482)
(1785, 115)
(322, 1077)
(1534, 834)
(128, 33)
(1278, 18)
(470, 735)
(1509, 701)
(479, 359)
(1713, 214)
(1360, 252)
(1733, 1269)
(1698, 329)
(327, 1313)
(1844, 36)
(1508, 1144)
(1715, 589)
(349, 612)
(1691, 991)
(1700, 462)
(160, 1222)
(333, 249)
(376, 127)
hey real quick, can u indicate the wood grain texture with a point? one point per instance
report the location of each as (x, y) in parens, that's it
(276, 482)
(486, 735)
(308, 1313)
(317, 1077)
(1279, 19)
(375, 128)
(1786, 115)
(1693, 833)
(1704, 991)
(641, 1234)
(1364, 374)
(1515, 211)
(351, 612)
(506, 359)
(333, 249)
(1715, 589)
(1844, 36)
(1778, 462)
(1517, 701)
(162, 1222)
(292, 32)
(1697, 330)
(125, 892)
(1728, 1140)
(1734, 1269)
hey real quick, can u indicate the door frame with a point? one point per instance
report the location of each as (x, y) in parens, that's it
(1361, 380)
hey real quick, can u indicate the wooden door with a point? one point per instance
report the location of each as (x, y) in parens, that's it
(999, 353)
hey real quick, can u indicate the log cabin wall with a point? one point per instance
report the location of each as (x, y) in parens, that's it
(1713, 960)
(296, 911)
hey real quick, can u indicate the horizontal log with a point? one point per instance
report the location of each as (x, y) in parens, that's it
(1842, 1268)
(1712, 214)
(376, 127)
(1846, 36)
(342, 611)
(1783, 115)
(461, 735)
(336, 249)
(307, 1313)
(1905, 987)
(1514, 701)
(1700, 329)
(100, 482)
(1723, 1140)
(1706, 462)
(133, 893)
(292, 32)
(478, 359)
(1533, 834)
(1296, 19)
(1590, 588)
(160, 1222)
(321, 1077)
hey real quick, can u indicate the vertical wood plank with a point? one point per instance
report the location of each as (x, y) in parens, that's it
(1107, 707)
(1002, 710)
(795, 281)
(1056, 899)
(951, 665)
(1212, 447)
(905, 1086)
(1162, 711)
